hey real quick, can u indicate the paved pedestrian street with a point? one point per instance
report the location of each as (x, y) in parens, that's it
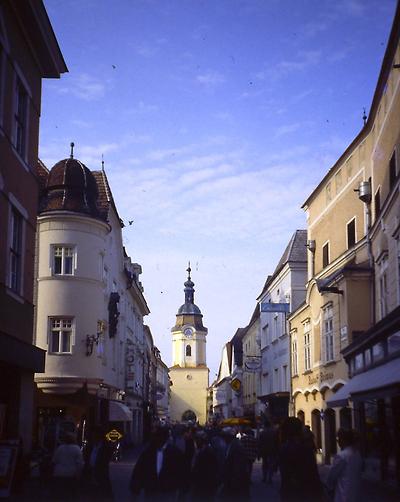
(260, 491)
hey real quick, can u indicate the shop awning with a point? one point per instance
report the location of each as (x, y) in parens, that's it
(372, 380)
(119, 412)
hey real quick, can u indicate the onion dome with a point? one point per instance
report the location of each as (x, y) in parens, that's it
(189, 307)
(71, 186)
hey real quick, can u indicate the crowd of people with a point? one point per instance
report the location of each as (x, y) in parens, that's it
(188, 463)
(209, 464)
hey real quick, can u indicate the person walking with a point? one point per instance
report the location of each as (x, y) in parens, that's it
(98, 467)
(204, 475)
(159, 469)
(268, 451)
(67, 468)
(250, 446)
(236, 474)
(298, 467)
(344, 478)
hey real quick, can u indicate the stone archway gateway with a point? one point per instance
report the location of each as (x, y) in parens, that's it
(189, 416)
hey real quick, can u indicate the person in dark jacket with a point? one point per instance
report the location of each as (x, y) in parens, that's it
(98, 483)
(158, 471)
(268, 446)
(204, 476)
(299, 474)
(236, 472)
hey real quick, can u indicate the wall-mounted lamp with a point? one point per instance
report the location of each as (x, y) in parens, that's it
(311, 246)
(364, 191)
(90, 341)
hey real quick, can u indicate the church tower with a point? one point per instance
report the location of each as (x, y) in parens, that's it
(189, 372)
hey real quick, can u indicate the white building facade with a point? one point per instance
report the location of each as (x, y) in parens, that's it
(285, 286)
(90, 308)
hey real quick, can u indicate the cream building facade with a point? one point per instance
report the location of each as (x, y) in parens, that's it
(251, 382)
(90, 308)
(352, 217)
(189, 372)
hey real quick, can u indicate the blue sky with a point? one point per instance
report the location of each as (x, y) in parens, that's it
(216, 118)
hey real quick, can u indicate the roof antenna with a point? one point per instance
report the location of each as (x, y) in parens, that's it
(102, 162)
(364, 117)
(72, 150)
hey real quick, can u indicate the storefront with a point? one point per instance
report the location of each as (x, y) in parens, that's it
(374, 394)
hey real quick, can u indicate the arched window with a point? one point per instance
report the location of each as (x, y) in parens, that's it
(188, 350)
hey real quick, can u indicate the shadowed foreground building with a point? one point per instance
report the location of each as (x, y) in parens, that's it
(189, 372)
(29, 52)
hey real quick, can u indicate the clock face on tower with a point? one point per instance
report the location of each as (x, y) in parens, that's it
(188, 332)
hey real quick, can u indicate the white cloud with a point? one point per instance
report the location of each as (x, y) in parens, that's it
(210, 78)
(83, 86)
(286, 129)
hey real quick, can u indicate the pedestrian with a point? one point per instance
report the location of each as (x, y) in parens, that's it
(204, 475)
(67, 468)
(268, 451)
(344, 478)
(250, 446)
(98, 467)
(236, 474)
(300, 480)
(158, 471)
(309, 438)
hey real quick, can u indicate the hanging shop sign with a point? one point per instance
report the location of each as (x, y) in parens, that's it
(252, 364)
(275, 307)
(236, 384)
(113, 435)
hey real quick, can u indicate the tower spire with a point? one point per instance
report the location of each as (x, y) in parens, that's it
(71, 156)
(189, 289)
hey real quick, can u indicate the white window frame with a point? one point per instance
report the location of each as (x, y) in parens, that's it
(15, 250)
(64, 255)
(382, 264)
(355, 232)
(328, 333)
(22, 152)
(295, 357)
(307, 345)
(65, 325)
(15, 205)
(329, 254)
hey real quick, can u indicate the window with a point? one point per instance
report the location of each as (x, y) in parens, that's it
(265, 335)
(377, 200)
(351, 233)
(21, 118)
(359, 362)
(392, 171)
(294, 356)
(63, 257)
(276, 379)
(284, 377)
(16, 251)
(378, 352)
(394, 343)
(60, 336)
(307, 346)
(328, 333)
(188, 351)
(325, 255)
(383, 289)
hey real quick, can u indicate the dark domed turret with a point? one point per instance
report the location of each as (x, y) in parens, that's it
(189, 307)
(71, 186)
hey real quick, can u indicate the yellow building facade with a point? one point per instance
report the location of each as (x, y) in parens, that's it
(189, 372)
(346, 293)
